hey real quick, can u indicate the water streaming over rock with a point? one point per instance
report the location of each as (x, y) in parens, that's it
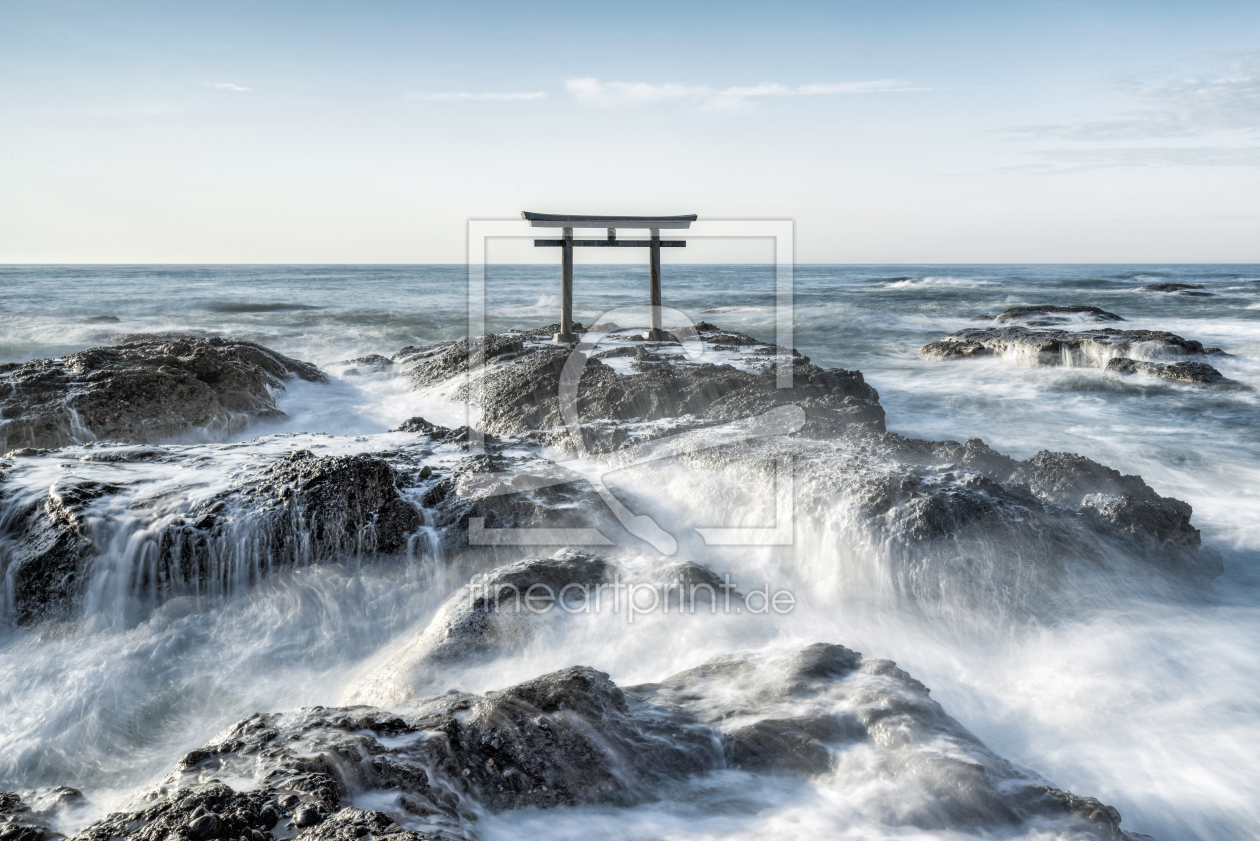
(303, 560)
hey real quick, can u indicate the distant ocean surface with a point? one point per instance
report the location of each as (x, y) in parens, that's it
(1157, 713)
(1196, 443)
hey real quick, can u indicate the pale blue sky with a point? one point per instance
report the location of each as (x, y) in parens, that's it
(370, 132)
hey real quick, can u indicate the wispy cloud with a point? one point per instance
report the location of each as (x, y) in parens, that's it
(592, 91)
(228, 86)
(134, 110)
(1219, 108)
(468, 96)
(1227, 98)
(1052, 161)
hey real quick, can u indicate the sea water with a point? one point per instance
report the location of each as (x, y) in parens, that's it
(1152, 707)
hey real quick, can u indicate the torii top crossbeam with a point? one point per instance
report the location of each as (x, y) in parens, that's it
(566, 220)
(654, 225)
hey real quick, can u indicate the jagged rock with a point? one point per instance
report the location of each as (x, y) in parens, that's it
(493, 614)
(500, 612)
(958, 527)
(512, 492)
(444, 362)
(433, 430)
(298, 510)
(522, 385)
(864, 705)
(212, 811)
(1181, 288)
(1054, 347)
(1067, 478)
(524, 396)
(973, 536)
(955, 348)
(352, 824)
(1186, 372)
(46, 549)
(561, 739)
(573, 737)
(364, 365)
(19, 822)
(143, 391)
(443, 434)
(834, 400)
(1047, 315)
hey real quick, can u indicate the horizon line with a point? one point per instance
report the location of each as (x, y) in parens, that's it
(915, 263)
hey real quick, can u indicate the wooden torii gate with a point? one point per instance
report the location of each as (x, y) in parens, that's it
(654, 225)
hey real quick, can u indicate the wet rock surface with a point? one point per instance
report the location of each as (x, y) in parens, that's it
(1047, 315)
(959, 520)
(524, 396)
(964, 531)
(297, 510)
(494, 615)
(952, 525)
(1179, 288)
(143, 391)
(1054, 347)
(23, 820)
(46, 548)
(307, 508)
(574, 737)
(362, 366)
(493, 491)
(1199, 373)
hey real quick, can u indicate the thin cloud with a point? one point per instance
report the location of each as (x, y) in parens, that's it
(123, 110)
(468, 96)
(591, 91)
(1221, 104)
(1053, 161)
(228, 86)
(1225, 99)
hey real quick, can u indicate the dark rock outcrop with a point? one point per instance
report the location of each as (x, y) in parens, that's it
(298, 510)
(1180, 288)
(1124, 505)
(362, 366)
(524, 396)
(444, 362)
(494, 491)
(352, 824)
(421, 425)
(1048, 315)
(208, 812)
(33, 821)
(1199, 373)
(973, 536)
(501, 612)
(495, 614)
(1052, 347)
(46, 548)
(143, 391)
(574, 737)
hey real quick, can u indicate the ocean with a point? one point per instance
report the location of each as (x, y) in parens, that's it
(1152, 706)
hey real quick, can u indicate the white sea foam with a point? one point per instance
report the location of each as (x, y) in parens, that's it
(938, 283)
(1150, 707)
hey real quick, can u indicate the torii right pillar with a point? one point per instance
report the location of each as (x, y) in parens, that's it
(655, 332)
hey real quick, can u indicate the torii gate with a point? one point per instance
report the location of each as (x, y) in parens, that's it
(654, 225)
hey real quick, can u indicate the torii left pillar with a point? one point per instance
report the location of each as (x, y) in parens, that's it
(566, 334)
